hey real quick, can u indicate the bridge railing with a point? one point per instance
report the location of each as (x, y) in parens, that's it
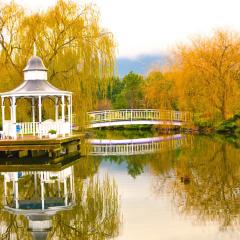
(138, 114)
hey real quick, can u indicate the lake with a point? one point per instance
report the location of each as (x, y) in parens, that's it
(132, 185)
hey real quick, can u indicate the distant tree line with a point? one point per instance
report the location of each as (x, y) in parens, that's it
(155, 90)
(202, 77)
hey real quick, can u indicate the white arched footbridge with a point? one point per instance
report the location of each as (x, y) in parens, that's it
(108, 118)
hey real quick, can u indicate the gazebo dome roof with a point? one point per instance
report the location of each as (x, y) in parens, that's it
(35, 82)
(35, 88)
(35, 63)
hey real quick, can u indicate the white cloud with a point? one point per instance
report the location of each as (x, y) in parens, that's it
(153, 26)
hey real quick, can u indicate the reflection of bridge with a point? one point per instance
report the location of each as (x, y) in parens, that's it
(105, 147)
(120, 117)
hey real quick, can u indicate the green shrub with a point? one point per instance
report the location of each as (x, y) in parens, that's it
(52, 131)
(231, 125)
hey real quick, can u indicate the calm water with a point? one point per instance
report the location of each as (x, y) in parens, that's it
(179, 187)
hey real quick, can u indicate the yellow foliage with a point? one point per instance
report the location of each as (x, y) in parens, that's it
(78, 53)
(207, 74)
(158, 91)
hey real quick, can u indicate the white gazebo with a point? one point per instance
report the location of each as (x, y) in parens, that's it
(36, 88)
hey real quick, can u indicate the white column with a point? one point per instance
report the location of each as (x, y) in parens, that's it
(3, 113)
(69, 109)
(33, 109)
(56, 109)
(15, 184)
(13, 131)
(16, 196)
(40, 109)
(14, 110)
(71, 115)
(5, 190)
(65, 191)
(40, 115)
(33, 117)
(35, 183)
(73, 185)
(42, 192)
(63, 109)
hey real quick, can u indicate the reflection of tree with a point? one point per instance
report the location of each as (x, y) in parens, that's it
(135, 164)
(125, 133)
(12, 225)
(212, 190)
(15, 226)
(95, 216)
(159, 163)
(86, 167)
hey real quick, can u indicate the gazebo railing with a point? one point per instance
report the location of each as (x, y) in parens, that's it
(43, 128)
(35, 128)
(28, 127)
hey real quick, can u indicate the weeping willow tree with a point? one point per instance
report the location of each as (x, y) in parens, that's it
(77, 51)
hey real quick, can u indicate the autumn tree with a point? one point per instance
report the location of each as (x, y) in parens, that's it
(77, 51)
(158, 91)
(207, 74)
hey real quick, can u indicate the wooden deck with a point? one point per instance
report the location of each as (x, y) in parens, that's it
(31, 148)
(19, 165)
(35, 143)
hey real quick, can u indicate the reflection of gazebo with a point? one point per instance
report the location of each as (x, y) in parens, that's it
(36, 88)
(39, 211)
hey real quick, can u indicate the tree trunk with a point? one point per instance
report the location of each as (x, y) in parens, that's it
(224, 108)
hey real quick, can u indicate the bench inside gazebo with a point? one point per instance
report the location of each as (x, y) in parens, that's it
(36, 88)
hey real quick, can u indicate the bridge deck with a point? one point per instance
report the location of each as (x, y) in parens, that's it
(135, 122)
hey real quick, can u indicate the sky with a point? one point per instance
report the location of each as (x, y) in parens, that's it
(145, 27)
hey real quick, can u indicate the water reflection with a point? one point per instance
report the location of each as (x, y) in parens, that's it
(138, 153)
(138, 146)
(189, 180)
(58, 205)
(205, 182)
(201, 174)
